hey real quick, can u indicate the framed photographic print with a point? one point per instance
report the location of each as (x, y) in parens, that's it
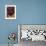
(10, 11)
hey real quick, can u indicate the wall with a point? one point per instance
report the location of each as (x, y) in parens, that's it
(27, 12)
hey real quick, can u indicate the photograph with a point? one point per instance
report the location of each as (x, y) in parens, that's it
(10, 11)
